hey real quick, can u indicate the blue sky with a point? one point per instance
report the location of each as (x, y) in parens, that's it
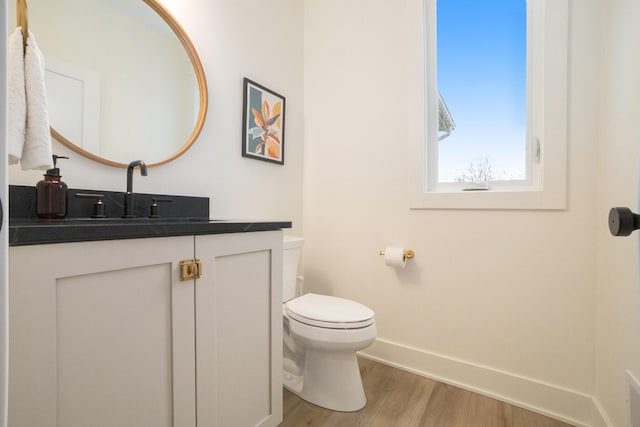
(482, 78)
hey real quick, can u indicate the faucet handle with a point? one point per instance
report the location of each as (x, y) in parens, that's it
(98, 206)
(155, 208)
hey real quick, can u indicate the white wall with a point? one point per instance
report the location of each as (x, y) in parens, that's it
(618, 278)
(498, 301)
(258, 39)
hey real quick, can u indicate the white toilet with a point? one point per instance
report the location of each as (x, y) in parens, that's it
(321, 337)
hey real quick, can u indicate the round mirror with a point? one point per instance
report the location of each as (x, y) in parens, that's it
(124, 81)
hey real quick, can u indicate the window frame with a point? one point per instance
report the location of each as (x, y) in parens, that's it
(547, 58)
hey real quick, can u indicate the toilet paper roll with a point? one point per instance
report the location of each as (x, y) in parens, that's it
(394, 257)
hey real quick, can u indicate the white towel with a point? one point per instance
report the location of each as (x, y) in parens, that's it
(36, 153)
(17, 97)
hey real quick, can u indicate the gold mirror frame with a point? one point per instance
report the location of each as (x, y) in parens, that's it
(202, 90)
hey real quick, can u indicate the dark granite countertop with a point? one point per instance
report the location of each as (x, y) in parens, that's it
(183, 216)
(42, 231)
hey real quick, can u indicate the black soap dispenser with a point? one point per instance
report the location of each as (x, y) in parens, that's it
(51, 193)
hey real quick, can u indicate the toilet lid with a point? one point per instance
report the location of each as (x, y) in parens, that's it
(329, 312)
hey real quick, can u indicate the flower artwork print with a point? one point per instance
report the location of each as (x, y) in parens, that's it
(263, 123)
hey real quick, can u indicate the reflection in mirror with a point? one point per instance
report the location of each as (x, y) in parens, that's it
(123, 80)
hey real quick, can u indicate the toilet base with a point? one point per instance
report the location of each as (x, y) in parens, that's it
(330, 380)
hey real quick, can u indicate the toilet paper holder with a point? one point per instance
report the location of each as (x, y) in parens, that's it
(408, 254)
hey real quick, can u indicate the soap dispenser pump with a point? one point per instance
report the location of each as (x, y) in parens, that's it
(51, 193)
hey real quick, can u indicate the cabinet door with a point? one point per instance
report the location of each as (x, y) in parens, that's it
(239, 330)
(102, 334)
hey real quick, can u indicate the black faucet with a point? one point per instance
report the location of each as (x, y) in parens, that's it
(129, 204)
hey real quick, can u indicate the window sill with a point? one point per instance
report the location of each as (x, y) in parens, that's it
(491, 199)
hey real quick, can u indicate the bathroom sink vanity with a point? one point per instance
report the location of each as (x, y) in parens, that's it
(127, 330)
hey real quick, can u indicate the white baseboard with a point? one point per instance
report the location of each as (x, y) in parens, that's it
(563, 404)
(599, 416)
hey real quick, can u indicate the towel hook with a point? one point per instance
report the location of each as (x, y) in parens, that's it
(23, 21)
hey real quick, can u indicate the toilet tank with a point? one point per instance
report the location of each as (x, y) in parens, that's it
(291, 249)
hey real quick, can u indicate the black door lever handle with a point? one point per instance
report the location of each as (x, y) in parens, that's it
(622, 221)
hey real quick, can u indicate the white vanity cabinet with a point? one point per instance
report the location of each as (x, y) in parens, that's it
(106, 334)
(238, 312)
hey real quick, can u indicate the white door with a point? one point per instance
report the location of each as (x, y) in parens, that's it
(73, 97)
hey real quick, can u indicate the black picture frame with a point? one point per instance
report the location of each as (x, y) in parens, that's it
(263, 119)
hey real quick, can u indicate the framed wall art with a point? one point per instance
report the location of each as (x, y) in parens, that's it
(262, 123)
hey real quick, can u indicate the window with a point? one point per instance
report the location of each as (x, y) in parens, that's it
(481, 71)
(487, 104)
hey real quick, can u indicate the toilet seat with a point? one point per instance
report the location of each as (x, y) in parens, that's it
(325, 311)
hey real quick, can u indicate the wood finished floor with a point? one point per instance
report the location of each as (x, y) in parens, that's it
(402, 399)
